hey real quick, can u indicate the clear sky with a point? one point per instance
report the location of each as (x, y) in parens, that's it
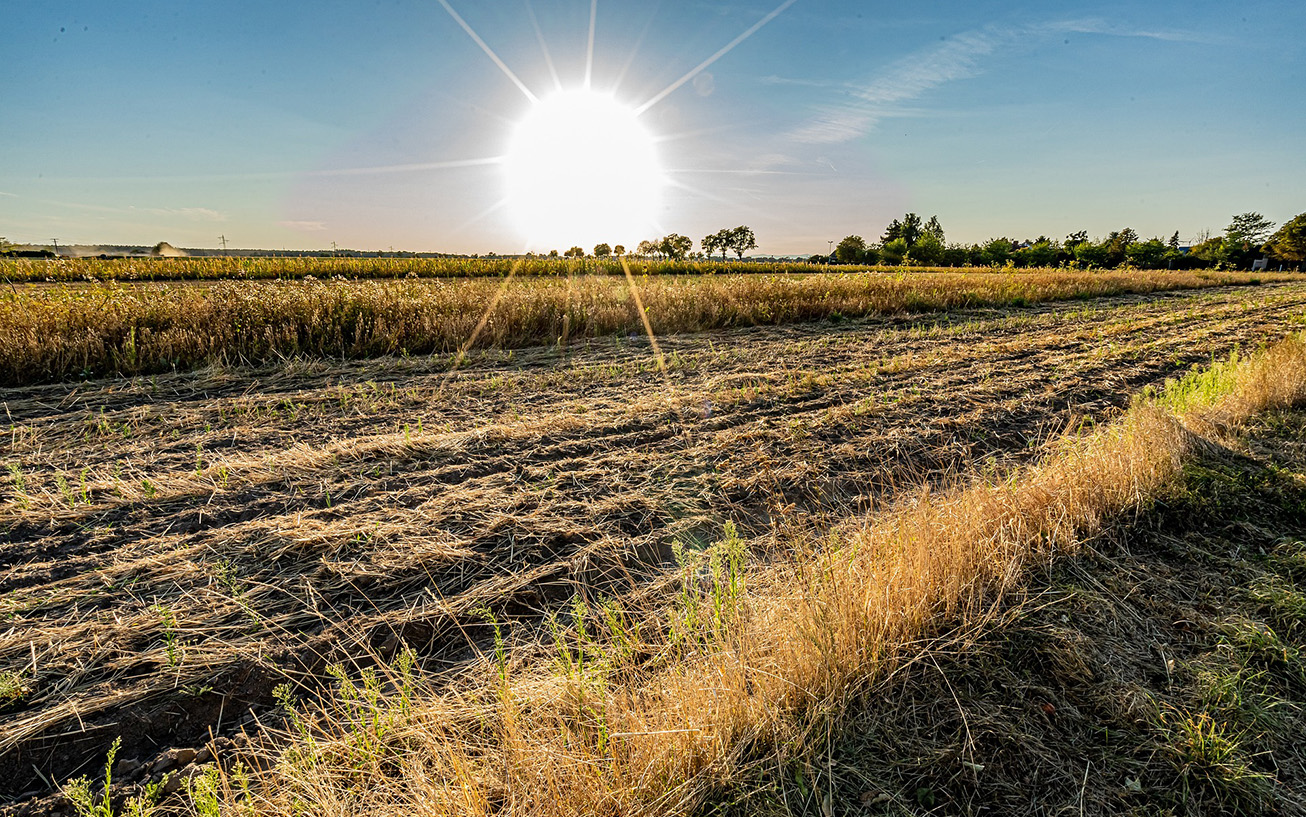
(383, 124)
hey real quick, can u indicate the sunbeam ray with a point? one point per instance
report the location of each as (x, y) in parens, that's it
(634, 52)
(407, 168)
(539, 36)
(589, 48)
(493, 208)
(489, 52)
(648, 327)
(485, 318)
(780, 9)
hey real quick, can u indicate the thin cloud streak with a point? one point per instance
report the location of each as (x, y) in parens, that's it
(957, 59)
(539, 36)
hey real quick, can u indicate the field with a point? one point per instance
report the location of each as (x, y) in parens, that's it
(180, 544)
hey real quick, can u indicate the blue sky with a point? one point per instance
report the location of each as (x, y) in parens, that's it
(376, 125)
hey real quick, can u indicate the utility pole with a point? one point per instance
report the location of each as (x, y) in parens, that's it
(56, 245)
(831, 253)
(223, 239)
(333, 249)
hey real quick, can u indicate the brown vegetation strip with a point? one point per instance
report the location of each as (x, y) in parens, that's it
(92, 330)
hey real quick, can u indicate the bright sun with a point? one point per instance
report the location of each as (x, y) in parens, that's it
(582, 170)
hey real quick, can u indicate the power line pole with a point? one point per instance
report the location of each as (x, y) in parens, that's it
(223, 239)
(56, 245)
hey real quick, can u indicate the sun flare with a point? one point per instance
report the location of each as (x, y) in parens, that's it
(581, 170)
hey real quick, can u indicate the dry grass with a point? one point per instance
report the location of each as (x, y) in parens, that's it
(746, 659)
(91, 330)
(178, 545)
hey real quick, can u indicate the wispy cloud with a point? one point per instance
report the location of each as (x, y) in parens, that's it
(960, 57)
(8, 195)
(304, 226)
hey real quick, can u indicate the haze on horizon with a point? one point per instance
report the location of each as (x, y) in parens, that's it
(281, 125)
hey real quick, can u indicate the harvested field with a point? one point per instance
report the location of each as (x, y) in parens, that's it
(178, 545)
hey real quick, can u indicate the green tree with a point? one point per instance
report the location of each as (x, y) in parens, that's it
(911, 229)
(1117, 243)
(1249, 228)
(717, 242)
(602, 251)
(676, 246)
(1091, 255)
(1212, 252)
(892, 232)
(647, 248)
(894, 252)
(575, 252)
(742, 240)
(928, 250)
(1044, 252)
(996, 251)
(851, 250)
(1289, 243)
(619, 250)
(1150, 254)
(934, 228)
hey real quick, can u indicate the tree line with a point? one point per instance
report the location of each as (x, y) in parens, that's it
(677, 247)
(1248, 238)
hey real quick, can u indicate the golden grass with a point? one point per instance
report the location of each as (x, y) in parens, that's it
(90, 330)
(745, 661)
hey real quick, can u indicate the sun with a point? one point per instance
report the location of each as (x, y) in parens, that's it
(582, 170)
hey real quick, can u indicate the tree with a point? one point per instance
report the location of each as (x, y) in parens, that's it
(996, 251)
(851, 250)
(934, 228)
(1249, 228)
(1289, 243)
(676, 246)
(575, 252)
(1090, 255)
(1116, 245)
(1044, 252)
(646, 248)
(717, 242)
(892, 232)
(1150, 254)
(894, 252)
(619, 250)
(928, 249)
(602, 251)
(911, 229)
(741, 241)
